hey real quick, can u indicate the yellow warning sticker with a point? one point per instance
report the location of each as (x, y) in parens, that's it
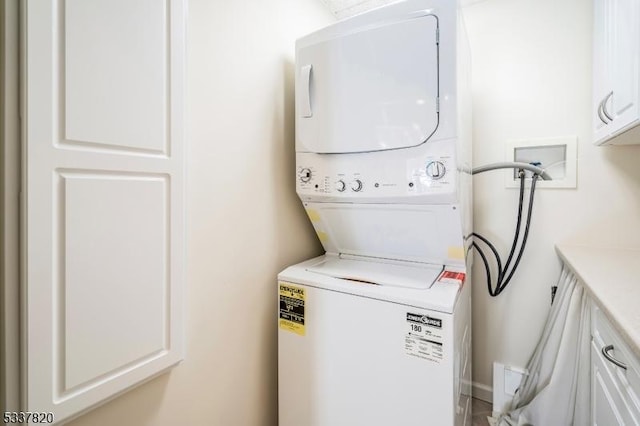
(322, 236)
(455, 253)
(314, 216)
(291, 316)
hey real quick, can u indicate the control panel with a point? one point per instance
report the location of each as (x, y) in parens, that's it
(430, 170)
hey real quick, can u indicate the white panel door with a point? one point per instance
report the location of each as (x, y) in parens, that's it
(103, 198)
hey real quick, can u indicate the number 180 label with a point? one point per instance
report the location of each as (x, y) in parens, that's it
(424, 337)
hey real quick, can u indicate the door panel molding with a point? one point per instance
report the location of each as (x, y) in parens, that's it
(104, 173)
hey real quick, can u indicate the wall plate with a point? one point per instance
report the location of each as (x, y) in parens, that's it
(558, 156)
(506, 380)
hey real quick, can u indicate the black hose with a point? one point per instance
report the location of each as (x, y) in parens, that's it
(504, 274)
(518, 224)
(493, 249)
(487, 270)
(524, 237)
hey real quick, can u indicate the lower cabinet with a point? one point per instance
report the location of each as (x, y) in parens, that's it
(615, 375)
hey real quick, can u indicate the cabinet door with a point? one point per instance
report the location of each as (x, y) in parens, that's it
(624, 67)
(607, 404)
(103, 198)
(604, 411)
(602, 42)
(616, 69)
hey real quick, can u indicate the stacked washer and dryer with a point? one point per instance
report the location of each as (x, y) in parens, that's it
(377, 331)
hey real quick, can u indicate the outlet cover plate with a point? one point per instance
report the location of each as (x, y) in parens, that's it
(506, 380)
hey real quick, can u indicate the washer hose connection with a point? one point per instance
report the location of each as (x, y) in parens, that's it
(505, 272)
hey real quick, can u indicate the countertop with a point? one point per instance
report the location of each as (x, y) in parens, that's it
(612, 277)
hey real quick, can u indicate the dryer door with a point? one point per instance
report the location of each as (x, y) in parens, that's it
(368, 89)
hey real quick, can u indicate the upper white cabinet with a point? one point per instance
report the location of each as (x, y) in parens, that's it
(103, 199)
(616, 71)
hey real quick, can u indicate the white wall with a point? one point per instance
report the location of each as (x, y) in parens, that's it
(346, 8)
(532, 79)
(245, 222)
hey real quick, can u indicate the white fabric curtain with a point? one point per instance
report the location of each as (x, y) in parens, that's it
(556, 390)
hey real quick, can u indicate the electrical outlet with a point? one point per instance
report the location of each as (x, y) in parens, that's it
(512, 380)
(506, 381)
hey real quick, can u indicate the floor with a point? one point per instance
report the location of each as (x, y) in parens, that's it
(479, 412)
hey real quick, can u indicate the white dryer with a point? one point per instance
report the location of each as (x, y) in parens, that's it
(376, 332)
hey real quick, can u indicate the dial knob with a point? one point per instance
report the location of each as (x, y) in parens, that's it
(305, 175)
(436, 170)
(341, 186)
(356, 185)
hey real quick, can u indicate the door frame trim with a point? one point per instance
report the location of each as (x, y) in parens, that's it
(10, 170)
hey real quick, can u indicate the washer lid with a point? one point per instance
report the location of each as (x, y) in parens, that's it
(379, 273)
(369, 87)
(441, 296)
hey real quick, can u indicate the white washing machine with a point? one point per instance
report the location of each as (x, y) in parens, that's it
(355, 353)
(376, 332)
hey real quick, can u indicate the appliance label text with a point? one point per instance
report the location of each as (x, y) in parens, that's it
(291, 311)
(424, 337)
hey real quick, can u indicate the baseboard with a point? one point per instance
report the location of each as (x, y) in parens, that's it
(482, 392)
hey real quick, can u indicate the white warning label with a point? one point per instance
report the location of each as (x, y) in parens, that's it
(424, 337)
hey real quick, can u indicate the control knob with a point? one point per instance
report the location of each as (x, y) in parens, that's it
(341, 186)
(356, 185)
(305, 175)
(436, 170)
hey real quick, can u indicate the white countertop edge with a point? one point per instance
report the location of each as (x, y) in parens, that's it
(607, 301)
